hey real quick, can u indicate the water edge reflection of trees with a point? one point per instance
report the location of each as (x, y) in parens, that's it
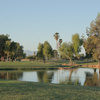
(11, 75)
(91, 79)
(69, 80)
(44, 76)
(60, 76)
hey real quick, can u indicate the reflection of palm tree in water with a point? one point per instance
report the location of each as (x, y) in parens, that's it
(91, 79)
(44, 76)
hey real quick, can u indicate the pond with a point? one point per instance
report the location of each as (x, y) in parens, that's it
(77, 76)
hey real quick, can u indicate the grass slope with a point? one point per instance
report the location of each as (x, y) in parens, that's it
(37, 64)
(30, 65)
(16, 90)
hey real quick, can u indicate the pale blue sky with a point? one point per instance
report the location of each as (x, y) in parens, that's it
(32, 21)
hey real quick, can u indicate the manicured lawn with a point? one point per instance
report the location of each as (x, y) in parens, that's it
(31, 65)
(16, 90)
(28, 65)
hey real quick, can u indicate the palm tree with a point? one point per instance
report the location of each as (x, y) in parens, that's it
(60, 41)
(56, 36)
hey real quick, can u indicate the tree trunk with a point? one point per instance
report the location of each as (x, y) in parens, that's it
(57, 44)
(70, 60)
(44, 60)
(19, 60)
(3, 58)
(57, 48)
(67, 57)
(7, 58)
(12, 60)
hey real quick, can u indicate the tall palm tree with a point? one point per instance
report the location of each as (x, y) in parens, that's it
(60, 41)
(56, 36)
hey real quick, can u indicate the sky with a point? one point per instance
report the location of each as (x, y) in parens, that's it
(31, 22)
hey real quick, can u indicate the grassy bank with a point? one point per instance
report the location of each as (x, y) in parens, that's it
(30, 65)
(26, 65)
(15, 90)
(37, 64)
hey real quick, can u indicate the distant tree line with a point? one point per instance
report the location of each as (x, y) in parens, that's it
(64, 50)
(44, 52)
(71, 50)
(10, 50)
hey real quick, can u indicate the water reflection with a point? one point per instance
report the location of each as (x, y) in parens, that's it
(80, 76)
(69, 80)
(91, 79)
(11, 75)
(44, 76)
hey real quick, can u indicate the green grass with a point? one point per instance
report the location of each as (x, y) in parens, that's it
(28, 65)
(86, 62)
(16, 90)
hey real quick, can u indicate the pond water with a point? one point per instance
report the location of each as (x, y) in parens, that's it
(78, 76)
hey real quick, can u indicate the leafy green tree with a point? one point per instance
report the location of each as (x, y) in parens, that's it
(47, 50)
(40, 52)
(3, 45)
(30, 57)
(55, 54)
(80, 56)
(76, 41)
(90, 46)
(44, 51)
(56, 36)
(94, 30)
(34, 53)
(70, 50)
(16, 51)
(13, 49)
(24, 55)
(67, 50)
(34, 56)
(19, 53)
(7, 51)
